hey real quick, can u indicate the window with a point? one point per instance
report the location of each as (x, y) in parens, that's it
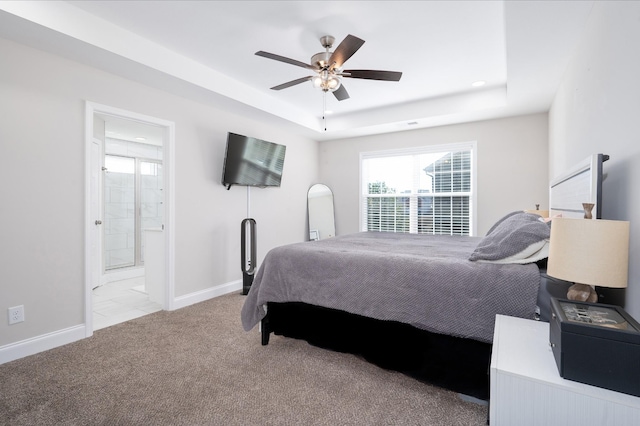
(428, 190)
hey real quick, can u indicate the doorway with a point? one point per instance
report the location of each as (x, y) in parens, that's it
(129, 192)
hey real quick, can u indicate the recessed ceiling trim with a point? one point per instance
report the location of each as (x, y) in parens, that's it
(184, 51)
(80, 25)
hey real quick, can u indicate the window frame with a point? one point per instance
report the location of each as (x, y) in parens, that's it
(418, 150)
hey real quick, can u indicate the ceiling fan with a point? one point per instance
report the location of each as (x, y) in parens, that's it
(328, 67)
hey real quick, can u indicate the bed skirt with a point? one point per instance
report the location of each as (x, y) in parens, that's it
(457, 364)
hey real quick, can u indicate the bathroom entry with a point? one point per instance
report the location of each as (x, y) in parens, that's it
(132, 193)
(129, 187)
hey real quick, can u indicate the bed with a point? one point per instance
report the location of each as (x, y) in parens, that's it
(423, 305)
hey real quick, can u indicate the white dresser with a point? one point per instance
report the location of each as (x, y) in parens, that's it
(526, 388)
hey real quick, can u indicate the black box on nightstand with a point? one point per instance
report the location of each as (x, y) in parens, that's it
(596, 344)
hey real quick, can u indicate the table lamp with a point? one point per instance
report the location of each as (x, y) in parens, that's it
(589, 252)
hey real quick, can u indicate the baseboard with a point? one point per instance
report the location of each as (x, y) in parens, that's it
(41, 343)
(202, 295)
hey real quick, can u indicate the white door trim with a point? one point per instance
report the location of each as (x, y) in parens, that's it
(92, 108)
(95, 210)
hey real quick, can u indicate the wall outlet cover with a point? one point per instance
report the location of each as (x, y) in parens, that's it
(16, 314)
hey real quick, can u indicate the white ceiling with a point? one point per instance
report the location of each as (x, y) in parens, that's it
(205, 50)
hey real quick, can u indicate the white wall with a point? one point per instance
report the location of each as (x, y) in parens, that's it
(42, 104)
(512, 165)
(597, 110)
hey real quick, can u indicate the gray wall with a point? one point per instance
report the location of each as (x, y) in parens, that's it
(42, 178)
(512, 165)
(597, 110)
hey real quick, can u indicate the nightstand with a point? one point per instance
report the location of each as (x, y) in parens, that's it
(526, 388)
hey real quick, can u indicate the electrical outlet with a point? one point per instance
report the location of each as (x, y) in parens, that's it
(16, 314)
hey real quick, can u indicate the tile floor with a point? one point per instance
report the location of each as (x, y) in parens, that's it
(121, 301)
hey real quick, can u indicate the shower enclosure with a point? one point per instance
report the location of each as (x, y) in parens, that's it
(133, 201)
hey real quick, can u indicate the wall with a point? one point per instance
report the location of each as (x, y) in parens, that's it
(42, 155)
(512, 165)
(597, 110)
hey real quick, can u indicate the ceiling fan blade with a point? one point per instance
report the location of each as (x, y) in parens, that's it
(284, 59)
(341, 93)
(291, 83)
(373, 74)
(345, 50)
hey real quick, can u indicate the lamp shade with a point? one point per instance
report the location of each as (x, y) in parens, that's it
(589, 251)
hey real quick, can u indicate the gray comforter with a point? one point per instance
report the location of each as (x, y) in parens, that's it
(423, 280)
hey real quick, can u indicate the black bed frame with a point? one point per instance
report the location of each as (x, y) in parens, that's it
(457, 364)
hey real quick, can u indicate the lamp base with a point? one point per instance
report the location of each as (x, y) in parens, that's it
(582, 293)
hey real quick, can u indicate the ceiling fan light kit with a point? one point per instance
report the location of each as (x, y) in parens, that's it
(326, 82)
(328, 67)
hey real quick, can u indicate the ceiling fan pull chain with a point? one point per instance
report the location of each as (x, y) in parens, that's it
(324, 110)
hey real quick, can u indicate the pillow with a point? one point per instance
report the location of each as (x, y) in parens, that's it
(533, 253)
(495, 225)
(516, 238)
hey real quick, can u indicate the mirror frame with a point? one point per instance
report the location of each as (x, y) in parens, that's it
(321, 214)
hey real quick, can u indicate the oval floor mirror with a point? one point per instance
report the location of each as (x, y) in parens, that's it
(321, 218)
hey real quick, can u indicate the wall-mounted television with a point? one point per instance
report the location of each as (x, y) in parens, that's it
(252, 162)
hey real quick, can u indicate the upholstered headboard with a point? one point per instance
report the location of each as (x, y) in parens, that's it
(581, 184)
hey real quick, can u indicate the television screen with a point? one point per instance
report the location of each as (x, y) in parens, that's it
(252, 162)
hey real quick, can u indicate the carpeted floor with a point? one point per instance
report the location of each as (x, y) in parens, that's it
(196, 366)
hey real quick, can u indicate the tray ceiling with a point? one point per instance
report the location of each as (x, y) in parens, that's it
(205, 50)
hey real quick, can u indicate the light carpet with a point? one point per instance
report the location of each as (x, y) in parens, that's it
(196, 366)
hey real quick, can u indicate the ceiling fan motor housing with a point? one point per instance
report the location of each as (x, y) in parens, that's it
(321, 59)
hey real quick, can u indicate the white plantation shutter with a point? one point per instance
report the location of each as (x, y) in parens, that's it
(422, 190)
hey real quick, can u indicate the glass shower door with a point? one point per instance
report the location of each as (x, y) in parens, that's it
(119, 212)
(133, 202)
